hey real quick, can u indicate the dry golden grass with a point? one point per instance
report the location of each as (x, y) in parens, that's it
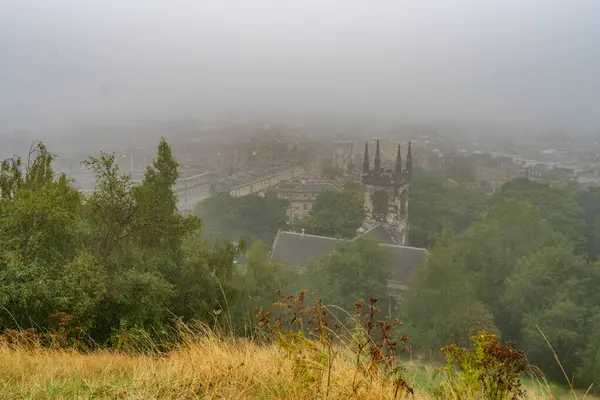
(207, 367)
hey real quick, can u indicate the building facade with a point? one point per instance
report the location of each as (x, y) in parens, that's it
(386, 193)
(342, 155)
(257, 181)
(496, 171)
(302, 196)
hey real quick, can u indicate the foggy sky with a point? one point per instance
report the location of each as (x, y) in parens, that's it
(91, 61)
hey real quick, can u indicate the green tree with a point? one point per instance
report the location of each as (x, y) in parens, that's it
(537, 278)
(336, 214)
(246, 216)
(435, 206)
(589, 369)
(43, 266)
(136, 234)
(554, 290)
(442, 305)
(355, 270)
(468, 272)
(563, 322)
(137, 293)
(162, 226)
(522, 184)
(205, 287)
(558, 207)
(590, 204)
(110, 211)
(260, 280)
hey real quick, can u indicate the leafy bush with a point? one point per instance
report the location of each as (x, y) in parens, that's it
(488, 368)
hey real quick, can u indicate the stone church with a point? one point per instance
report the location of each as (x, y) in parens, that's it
(386, 220)
(386, 194)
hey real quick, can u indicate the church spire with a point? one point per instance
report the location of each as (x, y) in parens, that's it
(409, 162)
(365, 169)
(398, 162)
(377, 158)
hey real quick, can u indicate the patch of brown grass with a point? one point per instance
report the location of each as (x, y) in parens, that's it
(208, 368)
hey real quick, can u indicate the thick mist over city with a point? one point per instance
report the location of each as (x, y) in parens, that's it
(527, 64)
(276, 199)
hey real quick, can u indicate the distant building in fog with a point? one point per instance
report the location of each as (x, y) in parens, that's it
(302, 196)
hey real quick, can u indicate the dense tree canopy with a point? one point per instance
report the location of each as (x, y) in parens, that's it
(336, 214)
(436, 205)
(524, 265)
(247, 216)
(115, 258)
(558, 207)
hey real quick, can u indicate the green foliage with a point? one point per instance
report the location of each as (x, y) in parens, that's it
(441, 303)
(458, 289)
(435, 206)
(39, 242)
(589, 367)
(488, 368)
(553, 291)
(245, 216)
(205, 280)
(261, 278)
(355, 270)
(590, 203)
(119, 254)
(522, 184)
(521, 266)
(558, 207)
(336, 214)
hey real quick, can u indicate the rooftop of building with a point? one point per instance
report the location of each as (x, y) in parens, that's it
(249, 176)
(307, 186)
(301, 249)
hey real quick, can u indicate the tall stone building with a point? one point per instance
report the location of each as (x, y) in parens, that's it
(386, 194)
(386, 203)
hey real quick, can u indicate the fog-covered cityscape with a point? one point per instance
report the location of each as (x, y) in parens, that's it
(269, 199)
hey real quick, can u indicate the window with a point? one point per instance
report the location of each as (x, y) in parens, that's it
(305, 206)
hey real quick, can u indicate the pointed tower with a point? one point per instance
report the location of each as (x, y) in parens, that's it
(398, 169)
(409, 162)
(365, 169)
(377, 158)
(386, 195)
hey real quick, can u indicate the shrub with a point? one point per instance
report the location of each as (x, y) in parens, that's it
(488, 368)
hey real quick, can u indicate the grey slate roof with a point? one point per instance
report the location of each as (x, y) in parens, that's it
(381, 234)
(300, 249)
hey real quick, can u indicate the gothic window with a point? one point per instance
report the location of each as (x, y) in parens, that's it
(380, 204)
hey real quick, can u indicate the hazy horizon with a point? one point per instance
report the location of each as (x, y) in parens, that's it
(463, 62)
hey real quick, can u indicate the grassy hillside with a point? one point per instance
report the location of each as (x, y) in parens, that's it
(205, 367)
